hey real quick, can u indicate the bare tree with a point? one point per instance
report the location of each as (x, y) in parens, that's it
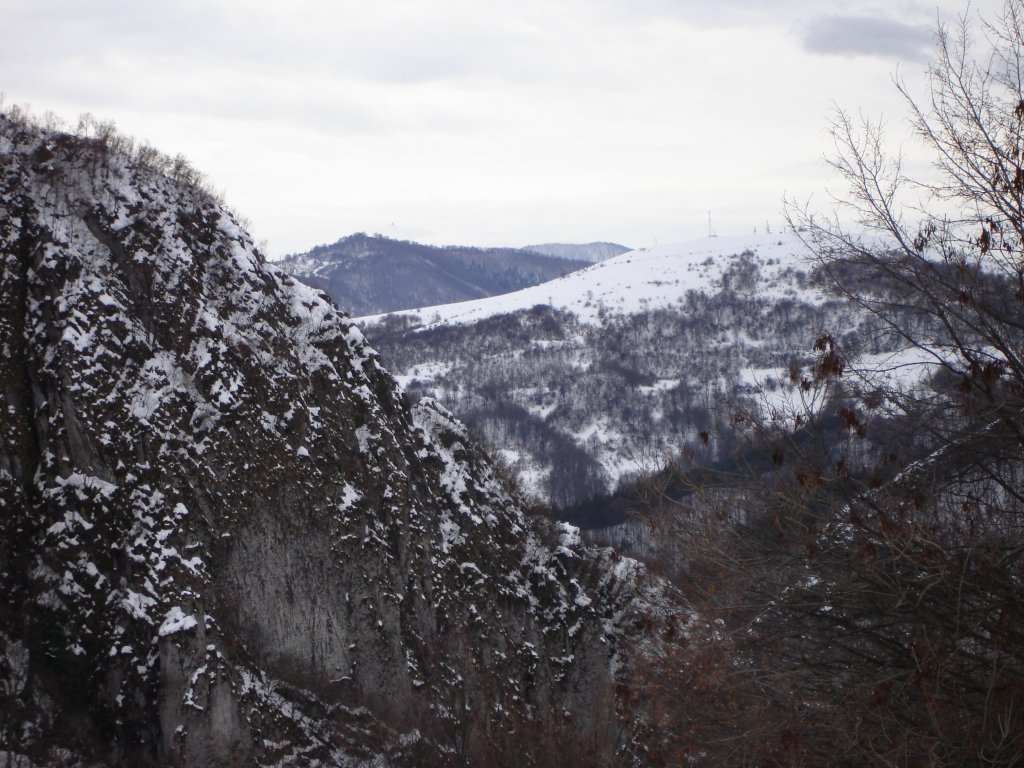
(862, 600)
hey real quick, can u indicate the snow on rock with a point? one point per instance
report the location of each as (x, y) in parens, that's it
(215, 500)
(176, 621)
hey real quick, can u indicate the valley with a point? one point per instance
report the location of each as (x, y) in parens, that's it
(613, 371)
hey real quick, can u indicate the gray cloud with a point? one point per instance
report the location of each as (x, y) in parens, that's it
(757, 13)
(480, 117)
(867, 36)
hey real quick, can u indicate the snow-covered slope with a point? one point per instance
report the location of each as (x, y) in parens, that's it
(613, 369)
(642, 280)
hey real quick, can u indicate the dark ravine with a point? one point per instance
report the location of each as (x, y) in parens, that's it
(227, 537)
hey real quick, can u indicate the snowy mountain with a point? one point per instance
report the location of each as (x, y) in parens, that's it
(648, 279)
(368, 274)
(592, 252)
(227, 537)
(610, 371)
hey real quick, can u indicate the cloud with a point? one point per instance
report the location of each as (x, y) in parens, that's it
(475, 120)
(866, 36)
(751, 14)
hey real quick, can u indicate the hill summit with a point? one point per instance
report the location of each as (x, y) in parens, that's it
(368, 274)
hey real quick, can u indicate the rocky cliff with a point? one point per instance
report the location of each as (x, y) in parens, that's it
(227, 538)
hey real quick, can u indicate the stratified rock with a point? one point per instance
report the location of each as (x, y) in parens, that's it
(227, 539)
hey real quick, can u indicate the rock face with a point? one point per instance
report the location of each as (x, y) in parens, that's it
(227, 538)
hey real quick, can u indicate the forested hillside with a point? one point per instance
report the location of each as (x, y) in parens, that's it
(850, 540)
(859, 561)
(367, 274)
(581, 251)
(633, 361)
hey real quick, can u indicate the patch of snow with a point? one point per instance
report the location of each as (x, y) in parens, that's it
(176, 621)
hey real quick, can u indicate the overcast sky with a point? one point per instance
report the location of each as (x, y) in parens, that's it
(480, 122)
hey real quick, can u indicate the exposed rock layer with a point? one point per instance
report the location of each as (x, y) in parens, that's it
(227, 538)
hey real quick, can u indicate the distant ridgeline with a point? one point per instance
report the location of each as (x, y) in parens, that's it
(593, 252)
(366, 275)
